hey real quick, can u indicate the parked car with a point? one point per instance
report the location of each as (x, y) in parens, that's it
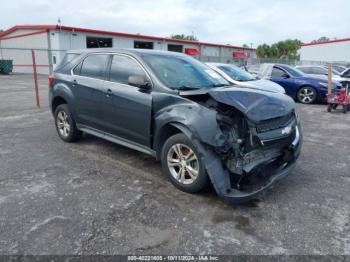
(180, 111)
(339, 68)
(242, 78)
(322, 71)
(303, 88)
(346, 73)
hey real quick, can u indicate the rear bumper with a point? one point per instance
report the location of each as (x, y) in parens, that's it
(236, 196)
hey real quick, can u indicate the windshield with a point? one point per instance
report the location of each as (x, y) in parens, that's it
(182, 72)
(293, 71)
(335, 72)
(236, 73)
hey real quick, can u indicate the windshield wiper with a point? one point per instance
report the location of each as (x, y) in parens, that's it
(220, 85)
(186, 87)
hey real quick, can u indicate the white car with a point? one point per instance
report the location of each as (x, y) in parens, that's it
(237, 76)
(322, 71)
(339, 68)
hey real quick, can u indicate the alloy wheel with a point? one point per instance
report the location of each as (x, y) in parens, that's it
(306, 95)
(183, 163)
(63, 124)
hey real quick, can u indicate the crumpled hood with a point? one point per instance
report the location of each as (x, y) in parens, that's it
(257, 105)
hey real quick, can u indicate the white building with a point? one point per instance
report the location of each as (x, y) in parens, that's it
(50, 43)
(329, 51)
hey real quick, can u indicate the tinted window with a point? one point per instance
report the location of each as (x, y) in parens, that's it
(293, 71)
(306, 70)
(276, 72)
(175, 48)
(122, 67)
(319, 71)
(94, 66)
(63, 67)
(347, 73)
(143, 45)
(96, 42)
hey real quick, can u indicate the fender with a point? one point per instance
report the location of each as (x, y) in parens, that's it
(199, 120)
(218, 176)
(63, 91)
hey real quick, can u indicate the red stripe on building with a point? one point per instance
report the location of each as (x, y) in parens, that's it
(327, 42)
(30, 65)
(23, 35)
(94, 31)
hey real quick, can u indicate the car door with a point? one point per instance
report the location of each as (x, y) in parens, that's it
(88, 89)
(283, 78)
(127, 109)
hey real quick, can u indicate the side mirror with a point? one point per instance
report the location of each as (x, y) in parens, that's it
(139, 81)
(285, 76)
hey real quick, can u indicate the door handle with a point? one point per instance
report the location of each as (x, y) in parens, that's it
(109, 92)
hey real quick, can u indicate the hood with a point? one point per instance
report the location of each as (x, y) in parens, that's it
(263, 84)
(256, 104)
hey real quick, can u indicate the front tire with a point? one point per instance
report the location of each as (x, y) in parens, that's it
(65, 124)
(307, 95)
(182, 164)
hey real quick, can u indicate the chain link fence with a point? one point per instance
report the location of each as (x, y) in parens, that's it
(47, 59)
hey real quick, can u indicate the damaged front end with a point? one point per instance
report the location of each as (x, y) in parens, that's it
(258, 141)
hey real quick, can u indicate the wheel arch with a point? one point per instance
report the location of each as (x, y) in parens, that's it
(58, 100)
(166, 131)
(61, 94)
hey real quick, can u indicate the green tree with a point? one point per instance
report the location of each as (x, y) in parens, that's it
(287, 49)
(184, 37)
(321, 39)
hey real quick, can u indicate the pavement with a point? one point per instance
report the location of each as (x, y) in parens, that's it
(96, 197)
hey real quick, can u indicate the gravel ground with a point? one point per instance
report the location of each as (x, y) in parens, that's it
(95, 197)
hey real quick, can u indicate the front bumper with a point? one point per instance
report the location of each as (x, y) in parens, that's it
(237, 196)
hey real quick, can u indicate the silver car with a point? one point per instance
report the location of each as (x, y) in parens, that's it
(237, 76)
(322, 71)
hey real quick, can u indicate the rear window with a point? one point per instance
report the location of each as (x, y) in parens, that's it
(69, 57)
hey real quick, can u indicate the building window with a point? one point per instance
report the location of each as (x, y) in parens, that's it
(175, 48)
(143, 45)
(96, 42)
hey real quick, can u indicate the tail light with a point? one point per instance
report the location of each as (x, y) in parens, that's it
(50, 80)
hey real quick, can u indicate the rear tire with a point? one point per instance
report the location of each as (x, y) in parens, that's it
(329, 108)
(65, 124)
(307, 95)
(182, 164)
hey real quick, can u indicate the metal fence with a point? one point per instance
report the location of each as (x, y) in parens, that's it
(258, 61)
(47, 59)
(25, 59)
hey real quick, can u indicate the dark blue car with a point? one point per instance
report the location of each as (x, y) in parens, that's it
(305, 89)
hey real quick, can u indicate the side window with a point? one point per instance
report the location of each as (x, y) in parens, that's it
(306, 70)
(122, 67)
(94, 66)
(276, 72)
(319, 71)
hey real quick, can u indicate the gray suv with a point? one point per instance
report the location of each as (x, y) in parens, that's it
(180, 111)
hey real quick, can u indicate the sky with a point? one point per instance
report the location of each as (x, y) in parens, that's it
(218, 21)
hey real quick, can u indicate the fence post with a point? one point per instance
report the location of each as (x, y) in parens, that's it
(35, 80)
(329, 78)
